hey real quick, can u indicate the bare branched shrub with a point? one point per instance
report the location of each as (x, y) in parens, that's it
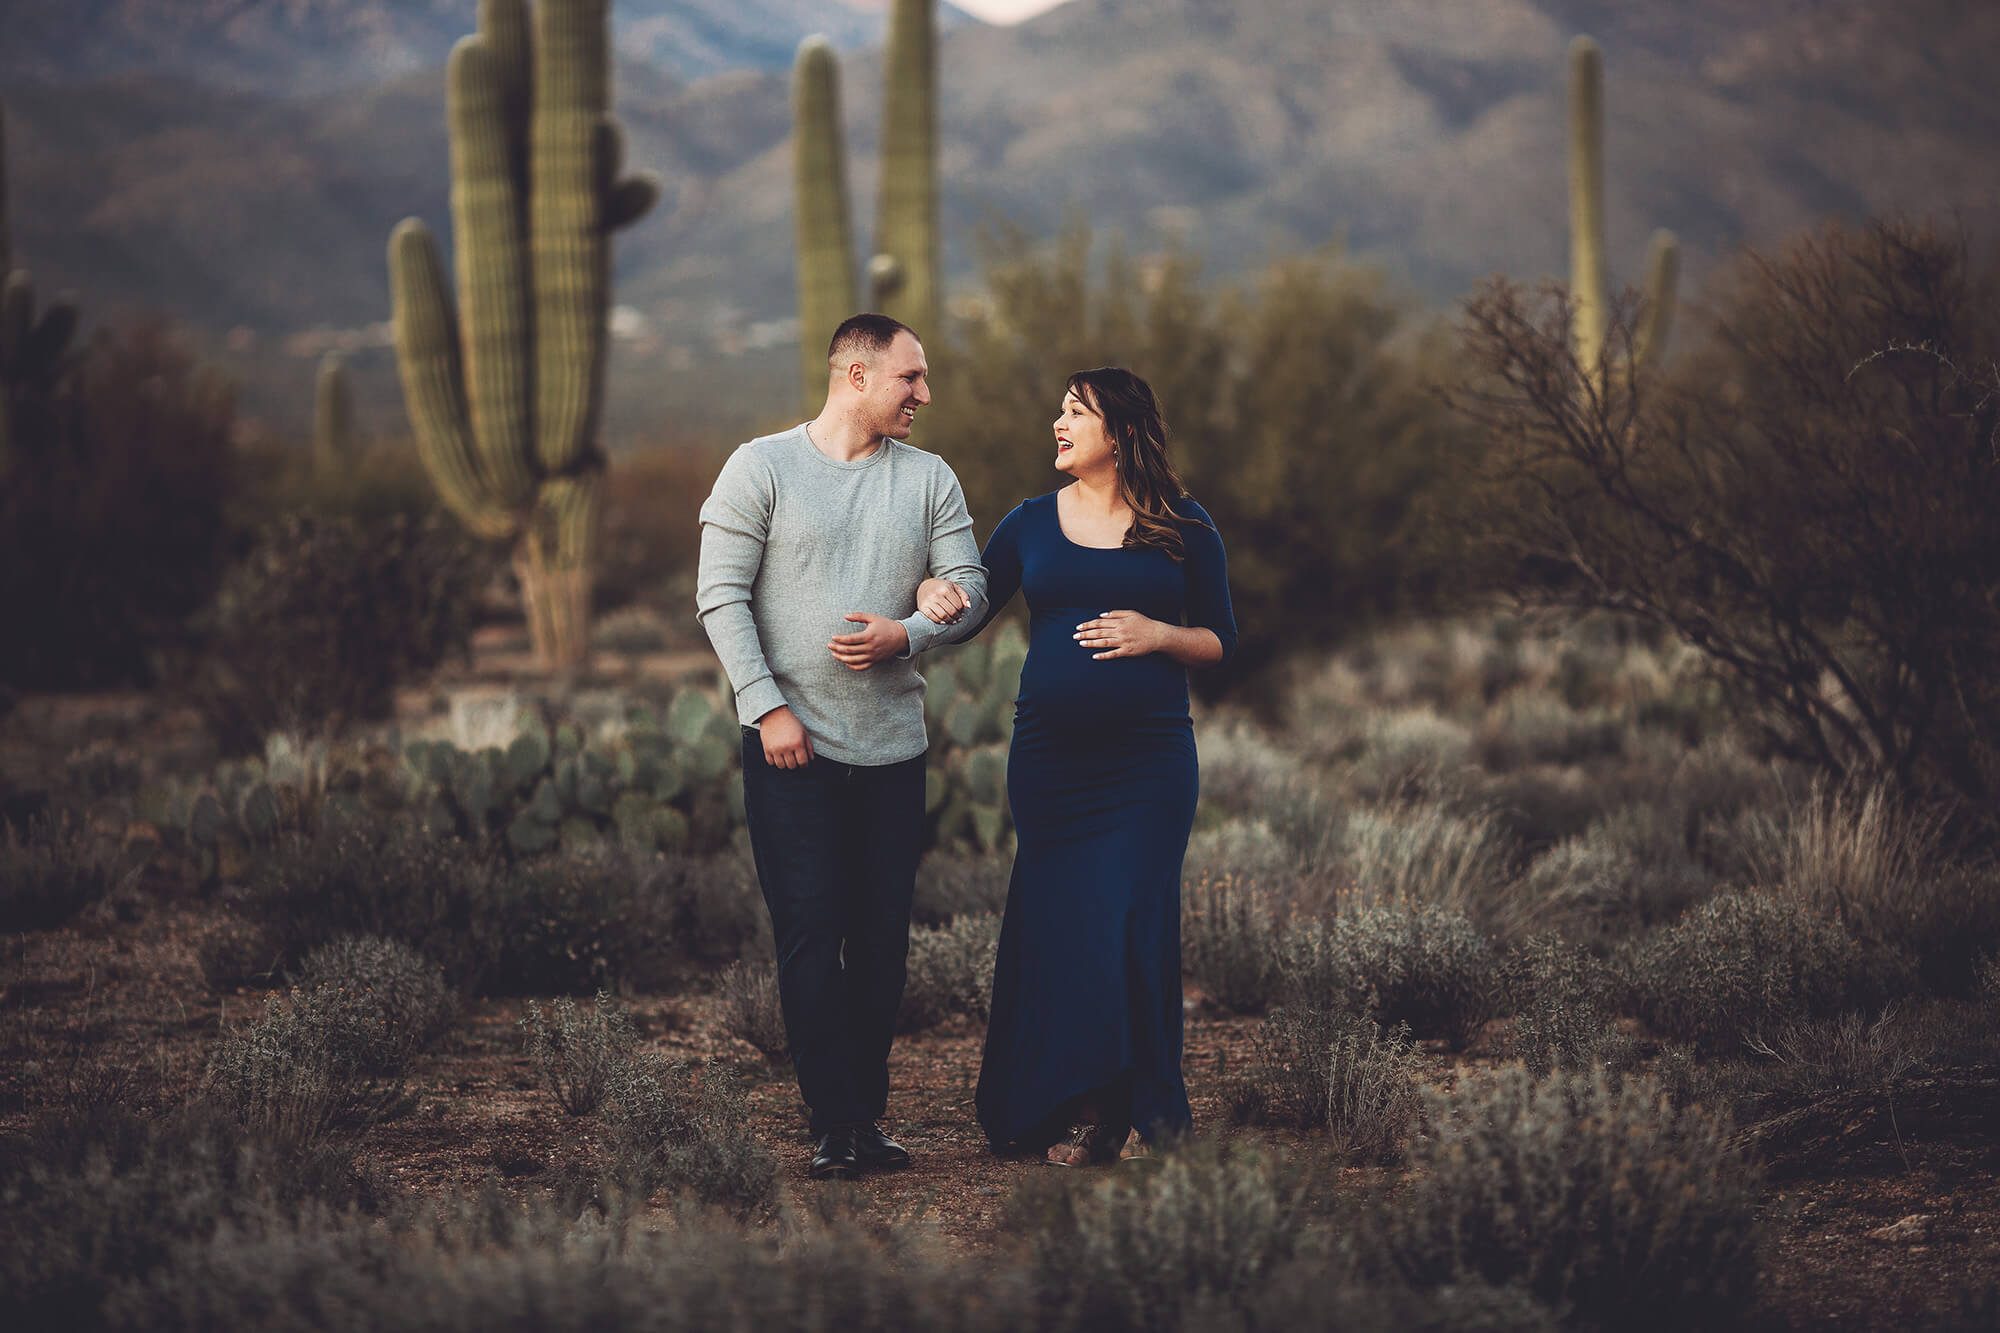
(576, 1053)
(1597, 1195)
(1813, 1058)
(748, 993)
(1806, 498)
(950, 972)
(1230, 931)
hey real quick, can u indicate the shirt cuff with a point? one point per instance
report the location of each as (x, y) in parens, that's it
(758, 698)
(924, 634)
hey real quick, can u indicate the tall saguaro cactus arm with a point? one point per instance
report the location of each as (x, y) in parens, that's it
(825, 246)
(504, 394)
(1587, 280)
(906, 217)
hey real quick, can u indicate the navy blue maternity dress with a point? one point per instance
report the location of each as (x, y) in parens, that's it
(1102, 780)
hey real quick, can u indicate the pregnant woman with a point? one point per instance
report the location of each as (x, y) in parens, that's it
(1127, 587)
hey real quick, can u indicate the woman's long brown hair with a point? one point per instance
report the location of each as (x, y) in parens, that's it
(1138, 430)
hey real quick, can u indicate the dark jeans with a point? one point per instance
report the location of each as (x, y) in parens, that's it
(837, 847)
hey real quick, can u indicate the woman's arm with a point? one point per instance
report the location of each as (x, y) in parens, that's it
(936, 598)
(1209, 637)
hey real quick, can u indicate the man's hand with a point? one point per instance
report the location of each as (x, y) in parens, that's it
(878, 639)
(942, 601)
(786, 744)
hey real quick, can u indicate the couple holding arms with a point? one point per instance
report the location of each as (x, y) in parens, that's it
(832, 555)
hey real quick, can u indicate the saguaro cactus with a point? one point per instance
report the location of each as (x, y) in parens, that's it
(33, 348)
(903, 275)
(333, 416)
(1586, 227)
(503, 393)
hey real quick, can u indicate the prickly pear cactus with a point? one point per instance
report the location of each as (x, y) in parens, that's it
(969, 704)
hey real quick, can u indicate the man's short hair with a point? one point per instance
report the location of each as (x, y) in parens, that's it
(863, 337)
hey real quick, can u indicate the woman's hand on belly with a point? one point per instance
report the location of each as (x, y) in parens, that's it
(1121, 634)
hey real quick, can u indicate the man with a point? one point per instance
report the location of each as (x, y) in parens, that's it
(813, 543)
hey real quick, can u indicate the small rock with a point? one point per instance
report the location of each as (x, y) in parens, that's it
(1915, 1227)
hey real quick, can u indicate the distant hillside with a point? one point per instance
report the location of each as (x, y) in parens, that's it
(306, 46)
(1429, 133)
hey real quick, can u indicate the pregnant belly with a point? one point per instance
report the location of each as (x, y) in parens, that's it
(1062, 678)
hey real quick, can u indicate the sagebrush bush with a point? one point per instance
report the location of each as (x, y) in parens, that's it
(582, 919)
(325, 618)
(1243, 848)
(575, 1053)
(1596, 1194)
(1171, 1247)
(1317, 970)
(106, 1204)
(1747, 961)
(1536, 727)
(1230, 934)
(957, 883)
(54, 869)
(1326, 1069)
(1428, 966)
(950, 972)
(403, 993)
(1564, 1000)
(1630, 869)
(688, 1132)
(748, 993)
(1409, 752)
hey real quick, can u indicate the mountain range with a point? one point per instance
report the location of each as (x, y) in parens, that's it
(1426, 134)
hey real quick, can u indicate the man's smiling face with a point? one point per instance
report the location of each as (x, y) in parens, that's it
(897, 386)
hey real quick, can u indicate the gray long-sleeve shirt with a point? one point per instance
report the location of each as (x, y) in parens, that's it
(792, 541)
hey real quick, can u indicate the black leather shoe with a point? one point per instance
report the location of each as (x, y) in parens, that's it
(834, 1157)
(877, 1151)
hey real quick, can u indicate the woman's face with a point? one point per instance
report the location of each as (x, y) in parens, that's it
(1083, 447)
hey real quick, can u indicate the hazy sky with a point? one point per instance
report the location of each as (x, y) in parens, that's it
(1005, 11)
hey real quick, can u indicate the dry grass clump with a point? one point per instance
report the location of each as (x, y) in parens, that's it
(1242, 848)
(54, 869)
(1319, 1068)
(1230, 935)
(950, 972)
(1426, 853)
(751, 1009)
(1631, 869)
(1535, 727)
(576, 1053)
(1744, 962)
(1597, 1195)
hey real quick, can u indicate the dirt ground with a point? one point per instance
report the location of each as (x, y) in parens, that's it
(126, 989)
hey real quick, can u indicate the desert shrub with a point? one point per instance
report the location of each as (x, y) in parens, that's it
(1540, 806)
(1316, 969)
(114, 522)
(958, 883)
(1597, 1195)
(1324, 1069)
(1409, 752)
(378, 877)
(1812, 1058)
(1629, 870)
(403, 993)
(673, 1128)
(105, 1203)
(1230, 930)
(721, 913)
(582, 919)
(1860, 855)
(1532, 727)
(1428, 967)
(1242, 849)
(950, 972)
(575, 1054)
(54, 869)
(239, 953)
(1746, 961)
(1169, 1248)
(1804, 496)
(1564, 1000)
(319, 1063)
(1428, 854)
(650, 537)
(325, 617)
(748, 993)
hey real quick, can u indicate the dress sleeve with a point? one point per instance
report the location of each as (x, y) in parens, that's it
(1002, 558)
(1206, 570)
(955, 556)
